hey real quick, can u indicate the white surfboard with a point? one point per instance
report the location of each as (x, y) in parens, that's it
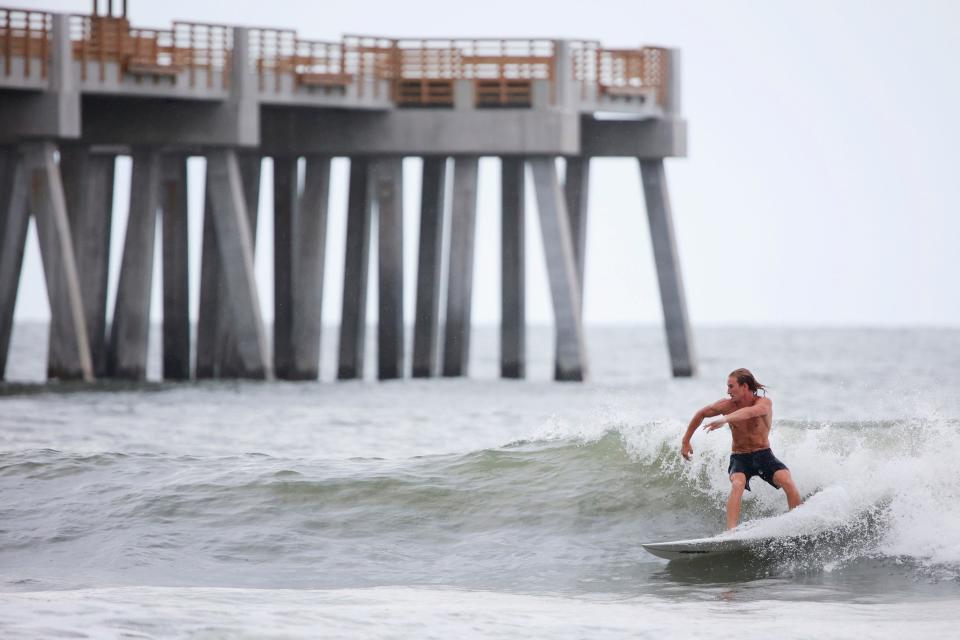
(702, 547)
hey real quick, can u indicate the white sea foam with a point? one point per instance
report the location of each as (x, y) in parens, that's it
(897, 472)
(396, 612)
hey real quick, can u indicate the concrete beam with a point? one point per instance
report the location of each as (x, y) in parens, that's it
(667, 258)
(49, 207)
(129, 121)
(88, 186)
(127, 356)
(208, 317)
(229, 363)
(356, 264)
(571, 359)
(14, 220)
(285, 194)
(420, 131)
(311, 240)
(576, 191)
(513, 319)
(633, 138)
(463, 222)
(176, 287)
(236, 261)
(234, 121)
(55, 112)
(576, 187)
(388, 175)
(217, 352)
(674, 103)
(429, 266)
(564, 88)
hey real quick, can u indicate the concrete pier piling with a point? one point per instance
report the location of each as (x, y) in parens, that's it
(285, 196)
(426, 332)
(14, 222)
(176, 286)
(356, 264)
(310, 251)
(667, 259)
(127, 354)
(230, 365)
(388, 174)
(463, 222)
(235, 246)
(88, 180)
(558, 247)
(217, 350)
(208, 315)
(48, 204)
(513, 331)
(237, 95)
(576, 190)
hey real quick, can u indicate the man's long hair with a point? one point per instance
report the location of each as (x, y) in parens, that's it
(744, 376)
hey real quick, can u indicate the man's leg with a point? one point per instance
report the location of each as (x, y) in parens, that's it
(784, 480)
(738, 482)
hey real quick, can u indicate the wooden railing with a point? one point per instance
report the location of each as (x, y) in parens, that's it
(502, 70)
(621, 72)
(270, 52)
(205, 46)
(370, 58)
(105, 40)
(153, 52)
(310, 63)
(321, 64)
(25, 33)
(419, 72)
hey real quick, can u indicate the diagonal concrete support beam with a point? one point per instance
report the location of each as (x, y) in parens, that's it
(513, 321)
(669, 278)
(311, 240)
(130, 331)
(356, 264)
(576, 190)
(230, 365)
(429, 266)
(208, 315)
(14, 220)
(388, 176)
(558, 247)
(48, 204)
(88, 186)
(463, 222)
(235, 245)
(217, 354)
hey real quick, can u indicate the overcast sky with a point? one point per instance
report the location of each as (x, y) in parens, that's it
(822, 183)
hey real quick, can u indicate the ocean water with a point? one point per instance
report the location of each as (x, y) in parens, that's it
(483, 508)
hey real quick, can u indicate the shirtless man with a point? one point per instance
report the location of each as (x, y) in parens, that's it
(750, 417)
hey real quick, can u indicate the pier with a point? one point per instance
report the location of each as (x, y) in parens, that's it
(77, 91)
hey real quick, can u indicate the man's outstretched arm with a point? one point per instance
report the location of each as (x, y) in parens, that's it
(709, 411)
(762, 407)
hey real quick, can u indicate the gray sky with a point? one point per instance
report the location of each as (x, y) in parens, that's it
(820, 187)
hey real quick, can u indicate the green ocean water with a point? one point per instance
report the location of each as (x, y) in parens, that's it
(480, 507)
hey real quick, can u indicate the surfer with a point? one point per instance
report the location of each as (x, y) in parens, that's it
(750, 416)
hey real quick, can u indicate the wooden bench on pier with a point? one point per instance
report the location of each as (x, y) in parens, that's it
(625, 91)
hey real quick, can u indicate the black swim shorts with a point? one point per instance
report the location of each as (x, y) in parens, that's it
(756, 463)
